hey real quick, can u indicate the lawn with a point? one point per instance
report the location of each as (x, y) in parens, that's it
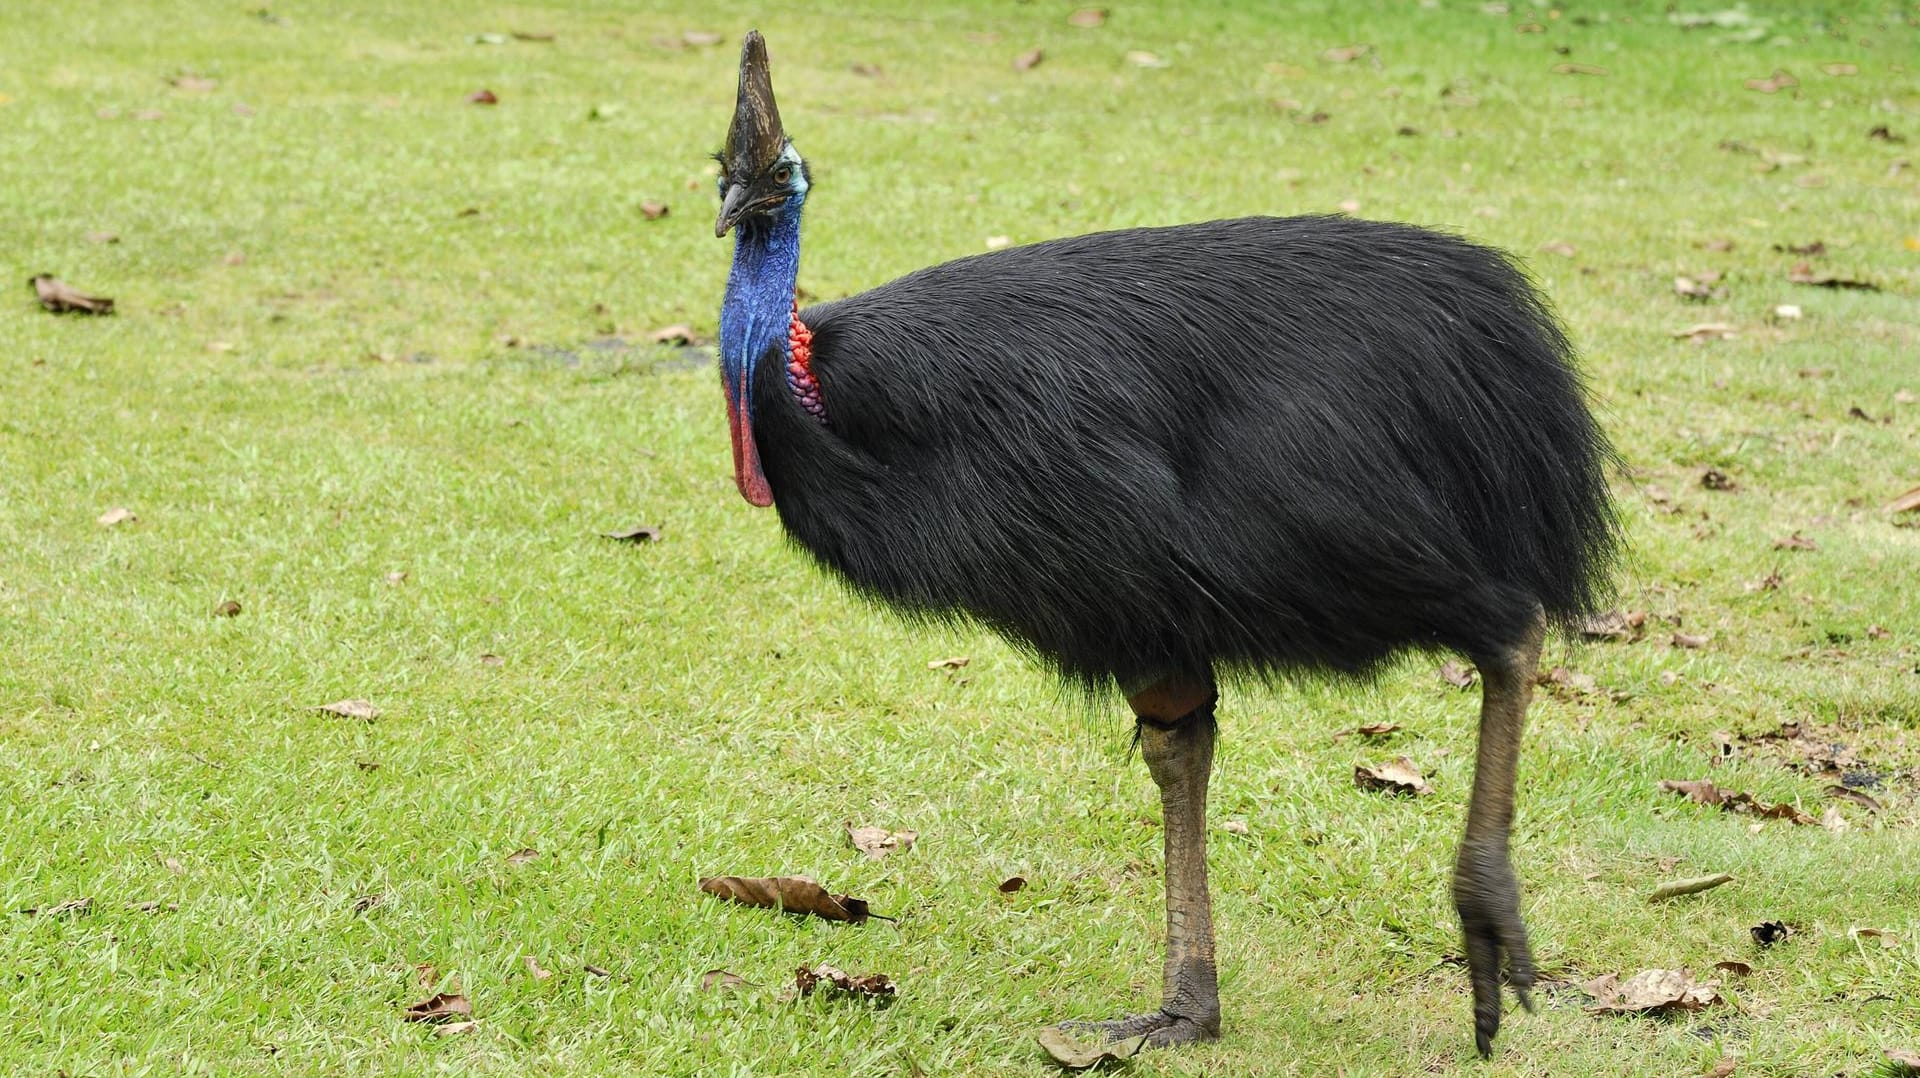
(382, 374)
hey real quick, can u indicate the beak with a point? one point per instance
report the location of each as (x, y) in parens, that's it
(731, 207)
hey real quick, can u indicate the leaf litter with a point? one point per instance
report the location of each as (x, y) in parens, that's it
(788, 894)
(874, 986)
(351, 709)
(1397, 776)
(1704, 792)
(1076, 1055)
(1652, 991)
(441, 1007)
(878, 842)
(60, 297)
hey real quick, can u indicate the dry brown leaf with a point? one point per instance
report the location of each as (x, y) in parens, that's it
(1143, 58)
(1075, 1055)
(1346, 54)
(1802, 273)
(189, 83)
(1847, 794)
(1774, 83)
(1701, 332)
(1840, 70)
(1397, 776)
(1905, 1058)
(483, 97)
(653, 211)
(595, 971)
(872, 985)
(788, 894)
(1236, 827)
(537, 36)
(1688, 887)
(1691, 640)
(117, 515)
(1625, 625)
(954, 663)
(351, 709)
(878, 842)
(227, 609)
(1796, 541)
(103, 237)
(1458, 674)
(1580, 69)
(533, 968)
(1011, 884)
(720, 978)
(1905, 503)
(1833, 820)
(1886, 938)
(1724, 1067)
(644, 533)
(1883, 133)
(1370, 730)
(676, 334)
(1029, 60)
(1567, 682)
(522, 855)
(73, 907)
(867, 71)
(1738, 969)
(1653, 991)
(443, 1007)
(702, 38)
(1715, 479)
(1704, 792)
(60, 297)
(454, 1029)
(368, 902)
(1561, 248)
(1694, 288)
(1088, 17)
(397, 577)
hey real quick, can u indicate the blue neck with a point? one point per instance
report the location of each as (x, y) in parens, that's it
(758, 307)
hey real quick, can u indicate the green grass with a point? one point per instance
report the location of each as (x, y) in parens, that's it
(341, 402)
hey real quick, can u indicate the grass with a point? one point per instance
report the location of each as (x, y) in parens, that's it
(326, 370)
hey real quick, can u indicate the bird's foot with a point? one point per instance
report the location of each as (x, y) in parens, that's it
(1488, 897)
(1162, 1030)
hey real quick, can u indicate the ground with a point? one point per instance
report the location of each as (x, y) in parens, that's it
(381, 375)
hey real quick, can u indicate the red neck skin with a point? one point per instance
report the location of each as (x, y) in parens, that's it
(806, 388)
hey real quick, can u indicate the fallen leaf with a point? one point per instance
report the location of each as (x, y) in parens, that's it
(702, 38)
(872, 985)
(538, 36)
(1580, 69)
(1691, 288)
(73, 907)
(1802, 273)
(397, 577)
(490, 659)
(644, 533)
(1458, 674)
(155, 906)
(1688, 887)
(1844, 793)
(1369, 730)
(1715, 479)
(595, 971)
(188, 83)
(1786, 312)
(1738, 969)
(1236, 827)
(1701, 332)
(1561, 248)
(1905, 503)
(351, 709)
(788, 894)
(994, 243)
(1075, 1055)
(1716, 245)
(1796, 541)
(1691, 640)
(1774, 83)
(1840, 70)
(1653, 991)
(60, 297)
(117, 515)
(227, 609)
(1028, 60)
(1562, 680)
(1722, 1069)
(533, 968)
(653, 211)
(1704, 792)
(867, 71)
(1768, 933)
(483, 97)
(1627, 625)
(173, 865)
(954, 663)
(1883, 133)
(103, 237)
(720, 978)
(522, 855)
(1396, 776)
(443, 1007)
(1011, 884)
(1346, 54)
(1904, 1058)
(878, 842)
(454, 1029)
(1886, 938)
(1835, 821)
(366, 903)
(1143, 58)
(675, 334)
(1088, 17)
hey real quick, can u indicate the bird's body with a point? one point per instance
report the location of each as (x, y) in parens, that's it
(1157, 457)
(1165, 450)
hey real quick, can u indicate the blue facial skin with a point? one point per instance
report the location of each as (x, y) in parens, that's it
(758, 307)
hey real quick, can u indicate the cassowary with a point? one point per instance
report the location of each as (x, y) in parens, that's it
(1157, 457)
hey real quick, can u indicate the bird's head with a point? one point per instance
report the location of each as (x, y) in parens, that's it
(761, 174)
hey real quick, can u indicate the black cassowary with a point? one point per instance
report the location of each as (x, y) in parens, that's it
(1155, 457)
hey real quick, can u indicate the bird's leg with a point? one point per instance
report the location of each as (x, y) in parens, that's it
(1176, 732)
(1485, 889)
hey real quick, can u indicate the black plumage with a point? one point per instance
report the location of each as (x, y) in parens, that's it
(1159, 457)
(1265, 445)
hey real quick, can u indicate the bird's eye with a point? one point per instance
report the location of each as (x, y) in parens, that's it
(782, 174)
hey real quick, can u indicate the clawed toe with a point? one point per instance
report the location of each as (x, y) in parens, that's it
(1162, 1030)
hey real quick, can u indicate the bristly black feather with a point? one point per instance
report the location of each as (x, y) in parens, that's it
(1259, 446)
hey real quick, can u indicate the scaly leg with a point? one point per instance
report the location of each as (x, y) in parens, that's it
(1176, 731)
(1485, 890)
